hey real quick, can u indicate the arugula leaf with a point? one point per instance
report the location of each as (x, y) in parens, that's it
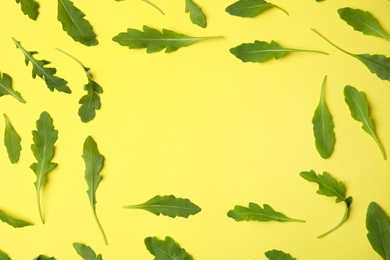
(168, 206)
(43, 149)
(4, 256)
(378, 227)
(261, 51)
(278, 255)
(91, 101)
(52, 81)
(86, 252)
(73, 22)
(255, 213)
(250, 8)
(377, 64)
(358, 106)
(14, 222)
(93, 164)
(11, 141)
(151, 4)
(29, 8)
(363, 22)
(43, 257)
(166, 249)
(196, 15)
(323, 127)
(329, 187)
(6, 87)
(154, 40)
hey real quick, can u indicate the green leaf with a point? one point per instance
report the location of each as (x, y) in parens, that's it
(154, 40)
(196, 15)
(328, 186)
(166, 249)
(278, 255)
(73, 22)
(4, 256)
(255, 213)
(261, 51)
(93, 164)
(6, 87)
(43, 149)
(358, 106)
(363, 22)
(11, 141)
(14, 222)
(86, 252)
(47, 74)
(168, 206)
(378, 226)
(43, 257)
(29, 8)
(323, 127)
(250, 8)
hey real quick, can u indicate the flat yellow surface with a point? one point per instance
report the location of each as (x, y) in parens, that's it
(197, 123)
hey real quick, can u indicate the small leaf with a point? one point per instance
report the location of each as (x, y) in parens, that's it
(29, 8)
(358, 106)
(6, 87)
(14, 222)
(278, 255)
(73, 22)
(196, 15)
(256, 213)
(52, 81)
(261, 51)
(43, 257)
(4, 256)
(363, 22)
(166, 249)
(11, 141)
(250, 8)
(378, 226)
(168, 206)
(86, 252)
(154, 40)
(323, 127)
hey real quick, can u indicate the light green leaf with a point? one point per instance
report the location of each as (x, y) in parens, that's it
(166, 249)
(93, 165)
(358, 105)
(255, 213)
(154, 40)
(47, 74)
(73, 22)
(278, 255)
(363, 22)
(261, 51)
(4, 256)
(378, 226)
(168, 206)
(250, 8)
(14, 222)
(29, 8)
(43, 257)
(86, 252)
(196, 15)
(323, 127)
(11, 141)
(6, 87)
(43, 149)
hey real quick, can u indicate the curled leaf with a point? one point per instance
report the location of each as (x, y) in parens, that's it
(196, 15)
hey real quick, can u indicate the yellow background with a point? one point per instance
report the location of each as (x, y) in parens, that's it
(199, 124)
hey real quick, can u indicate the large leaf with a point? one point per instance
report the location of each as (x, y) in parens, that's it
(154, 40)
(168, 206)
(278, 255)
(73, 22)
(6, 87)
(255, 213)
(358, 105)
(47, 74)
(43, 149)
(323, 127)
(166, 249)
(4, 256)
(363, 22)
(14, 222)
(29, 8)
(378, 226)
(196, 15)
(11, 141)
(93, 165)
(250, 8)
(86, 252)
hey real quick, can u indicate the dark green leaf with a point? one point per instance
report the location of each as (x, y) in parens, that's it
(52, 81)
(6, 87)
(73, 22)
(278, 255)
(43, 257)
(86, 252)
(196, 15)
(11, 141)
(16, 223)
(256, 213)
(43, 149)
(4, 256)
(358, 106)
(323, 127)
(166, 249)
(29, 8)
(250, 8)
(378, 226)
(168, 206)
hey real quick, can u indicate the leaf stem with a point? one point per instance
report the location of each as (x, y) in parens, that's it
(40, 206)
(301, 50)
(86, 70)
(345, 216)
(155, 6)
(99, 225)
(281, 9)
(334, 45)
